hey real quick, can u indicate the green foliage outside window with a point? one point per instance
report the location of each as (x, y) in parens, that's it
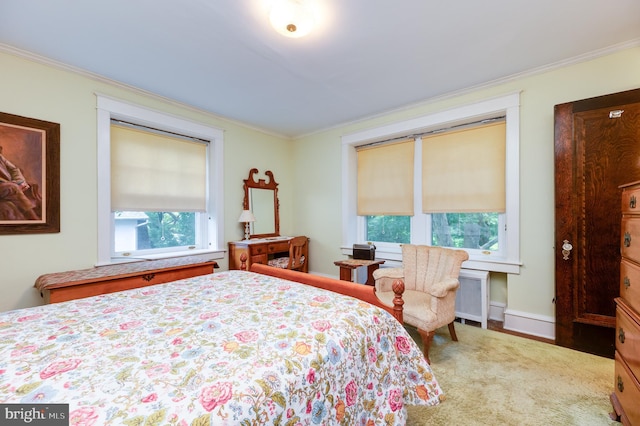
(389, 229)
(167, 229)
(465, 230)
(459, 230)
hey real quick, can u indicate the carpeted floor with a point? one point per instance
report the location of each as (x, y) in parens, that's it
(493, 378)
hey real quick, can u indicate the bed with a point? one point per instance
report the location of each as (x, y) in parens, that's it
(235, 347)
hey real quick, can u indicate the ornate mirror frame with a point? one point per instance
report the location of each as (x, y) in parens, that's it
(249, 184)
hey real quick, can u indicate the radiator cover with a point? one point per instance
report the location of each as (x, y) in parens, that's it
(472, 298)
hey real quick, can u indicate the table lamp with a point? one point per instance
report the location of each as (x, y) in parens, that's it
(246, 216)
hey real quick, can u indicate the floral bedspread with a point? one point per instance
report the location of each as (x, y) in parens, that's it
(232, 348)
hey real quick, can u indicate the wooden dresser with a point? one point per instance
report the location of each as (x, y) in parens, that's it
(260, 250)
(69, 285)
(626, 396)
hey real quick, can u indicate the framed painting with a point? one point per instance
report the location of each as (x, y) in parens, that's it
(29, 175)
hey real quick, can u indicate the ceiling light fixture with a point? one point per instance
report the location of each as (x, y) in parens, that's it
(292, 18)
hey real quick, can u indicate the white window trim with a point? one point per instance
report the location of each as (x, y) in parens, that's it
(108, 108)
(353, 225)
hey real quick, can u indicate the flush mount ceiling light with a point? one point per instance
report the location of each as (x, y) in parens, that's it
(292, 18)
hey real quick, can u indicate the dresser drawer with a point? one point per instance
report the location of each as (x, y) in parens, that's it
(630, 240)
(263, 258)
(627, 390)
(279, 247)
(631, 201)
(256, 249)
(630, 284)
(628, 339)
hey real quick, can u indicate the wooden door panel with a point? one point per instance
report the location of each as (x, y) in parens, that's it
(606, 149)
(595, 152)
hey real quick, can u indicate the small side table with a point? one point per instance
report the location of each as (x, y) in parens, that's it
(348, 265)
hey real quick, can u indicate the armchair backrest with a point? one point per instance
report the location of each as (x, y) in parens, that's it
(424, 265)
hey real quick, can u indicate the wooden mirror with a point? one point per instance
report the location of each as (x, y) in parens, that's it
(261, 197)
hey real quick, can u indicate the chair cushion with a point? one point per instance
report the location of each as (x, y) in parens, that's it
(415, 310)
(282, 262)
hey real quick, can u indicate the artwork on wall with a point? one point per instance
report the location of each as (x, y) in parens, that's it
(29, 175)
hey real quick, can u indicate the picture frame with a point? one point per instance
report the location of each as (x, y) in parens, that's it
(29, 175)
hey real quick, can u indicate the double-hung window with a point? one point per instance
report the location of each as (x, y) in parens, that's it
(160, 184)
(448, 179)
(385, 190)
(463, 185)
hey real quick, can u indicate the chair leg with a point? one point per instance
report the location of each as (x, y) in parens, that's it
(427, 338)
(452, 331)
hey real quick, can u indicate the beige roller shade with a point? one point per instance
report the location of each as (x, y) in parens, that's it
(464, 170)
(156, 172)
(385, 179)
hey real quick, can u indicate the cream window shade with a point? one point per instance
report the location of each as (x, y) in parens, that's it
(464, 170)
(385, 179)
(156, 172)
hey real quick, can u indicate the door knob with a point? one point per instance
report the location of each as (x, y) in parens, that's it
(566, 249)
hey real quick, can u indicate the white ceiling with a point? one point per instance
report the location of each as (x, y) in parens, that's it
(366, 57)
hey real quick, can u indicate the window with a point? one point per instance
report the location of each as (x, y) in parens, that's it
(485, 220)
(158, 190)
(140, 232)
(151, 205)
(463, 185)
(388, 229)
(385, 198)
(473, 231)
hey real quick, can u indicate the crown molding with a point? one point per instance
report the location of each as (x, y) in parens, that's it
(493, 83)
(528, 73)
(5, 48)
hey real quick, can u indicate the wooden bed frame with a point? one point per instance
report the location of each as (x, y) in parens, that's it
(359, 291)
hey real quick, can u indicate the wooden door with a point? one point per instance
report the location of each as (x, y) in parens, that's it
(597, 149)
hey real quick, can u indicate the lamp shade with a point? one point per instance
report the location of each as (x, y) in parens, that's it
(246, 216)
(292, 18)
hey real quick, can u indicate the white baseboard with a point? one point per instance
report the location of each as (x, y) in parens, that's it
(532, 324)
(521, 322)
(496, 311)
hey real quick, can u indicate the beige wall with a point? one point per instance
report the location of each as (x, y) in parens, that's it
(44, 92)
(318, 166)
(309, 171)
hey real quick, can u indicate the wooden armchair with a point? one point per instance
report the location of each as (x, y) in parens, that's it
(297, 256)
(430, 276)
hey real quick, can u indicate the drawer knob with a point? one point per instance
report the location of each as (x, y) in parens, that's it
(148, 277)
(627, 239)
(627, 282)
(620, 384)
(621, 335)
(632, 202)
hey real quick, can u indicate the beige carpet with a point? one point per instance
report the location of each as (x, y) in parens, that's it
(492, 378)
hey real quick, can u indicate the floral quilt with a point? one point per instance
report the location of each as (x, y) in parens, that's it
(230, 348)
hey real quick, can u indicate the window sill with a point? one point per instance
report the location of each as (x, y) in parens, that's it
(478, 262)
(215, 254)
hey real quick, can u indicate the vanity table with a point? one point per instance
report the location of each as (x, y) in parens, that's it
(260, 250)
(261, 198)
